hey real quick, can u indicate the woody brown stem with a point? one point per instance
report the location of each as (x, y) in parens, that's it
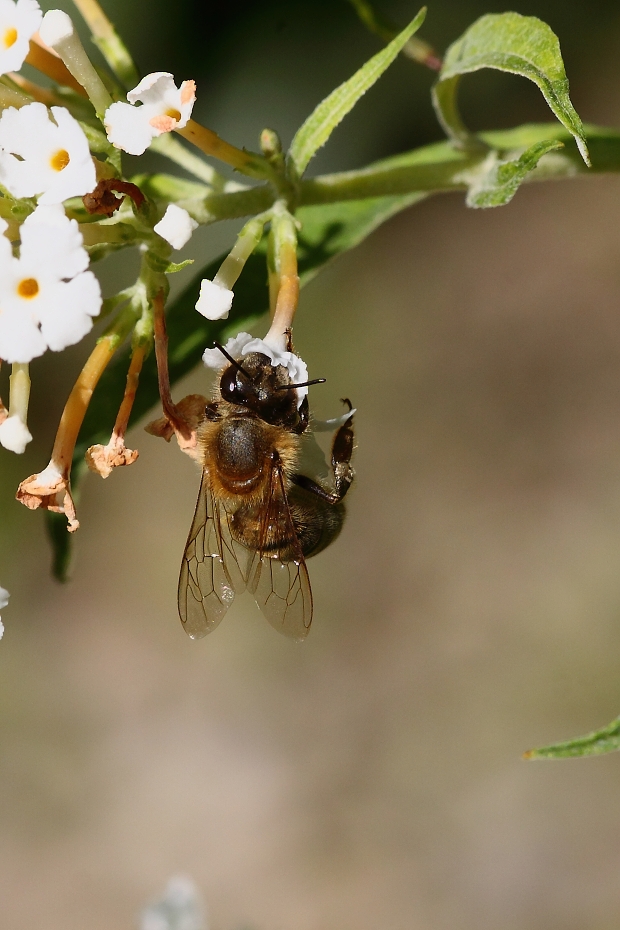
(131, 387)
(176, 420)
(104, 459)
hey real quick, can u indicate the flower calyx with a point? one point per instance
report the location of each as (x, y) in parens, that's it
(50, 490)
(104, 459)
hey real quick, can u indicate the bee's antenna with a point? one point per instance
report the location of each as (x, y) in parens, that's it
(289, 387)
(233, 361)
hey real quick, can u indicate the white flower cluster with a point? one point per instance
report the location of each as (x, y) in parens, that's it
(243, 344)
(47, 298)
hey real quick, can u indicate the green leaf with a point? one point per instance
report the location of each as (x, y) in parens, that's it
(330, 112)
(495, 182)
(594, 744)
(163, 265)
(173, 267)
(508, 42)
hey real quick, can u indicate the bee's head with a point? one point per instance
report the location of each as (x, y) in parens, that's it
(261, 387)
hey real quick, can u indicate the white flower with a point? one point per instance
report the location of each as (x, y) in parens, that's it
(14, 434)
(164, 107)
(4, 600)
(214, 301)
(242, 344)
(180, 908)
(18, 23)
(53, 160)
(176, 226)
(47, 298)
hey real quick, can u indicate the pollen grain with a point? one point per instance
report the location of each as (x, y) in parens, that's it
(59, 160)
(10, 37)
(28, 287)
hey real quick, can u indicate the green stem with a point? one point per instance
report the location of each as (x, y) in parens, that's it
(386, 181)
(247, 241)
(109, 42)
(436, 167)
(169, 146)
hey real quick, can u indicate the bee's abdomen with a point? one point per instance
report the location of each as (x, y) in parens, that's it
(240, 453)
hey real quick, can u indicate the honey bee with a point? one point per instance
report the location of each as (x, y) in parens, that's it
(257, 518)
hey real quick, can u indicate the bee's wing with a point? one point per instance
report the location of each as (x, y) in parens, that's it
(210, 572)
(281, 588)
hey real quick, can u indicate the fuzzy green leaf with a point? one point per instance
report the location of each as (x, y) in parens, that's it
(510, 42)
(495, 182)
(330, 112)
(594, 744)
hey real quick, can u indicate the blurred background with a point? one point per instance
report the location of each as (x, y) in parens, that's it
(372, 777)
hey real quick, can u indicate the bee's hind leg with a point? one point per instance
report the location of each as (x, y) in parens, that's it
(343, 473)
(342, 450)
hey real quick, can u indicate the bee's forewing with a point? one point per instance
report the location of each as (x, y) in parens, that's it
(210, 573)
(281, 588)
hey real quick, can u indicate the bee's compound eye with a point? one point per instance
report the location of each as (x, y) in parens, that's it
(234, 387)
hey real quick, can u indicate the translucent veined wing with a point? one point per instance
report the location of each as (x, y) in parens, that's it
(280, 584)
(210, 572)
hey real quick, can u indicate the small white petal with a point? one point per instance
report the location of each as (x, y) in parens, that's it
(20, 337)
(213, 358)
(139, 92)
(176, 226)
(14, 435)
(1, 629)
(214, 301)
(67, 315)
(55, 27)
(52, 245)
(127, 128)
(4, 597)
